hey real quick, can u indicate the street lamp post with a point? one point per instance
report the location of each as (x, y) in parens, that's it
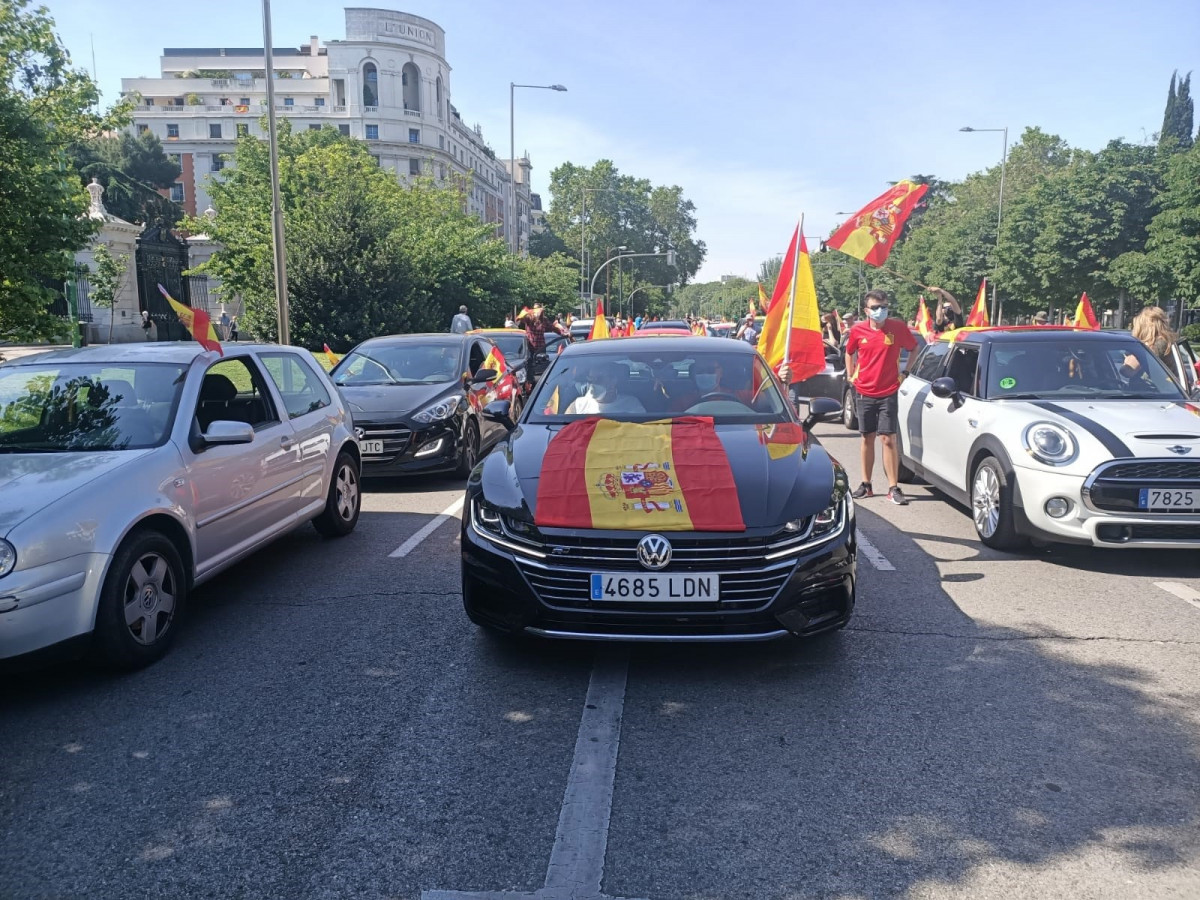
(669, 254)
(281, 291)
(999, 211)
(512, 151)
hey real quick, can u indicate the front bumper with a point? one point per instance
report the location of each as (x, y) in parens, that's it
(1085, 524)
(49, 604)
(408, 451)
(805, 594)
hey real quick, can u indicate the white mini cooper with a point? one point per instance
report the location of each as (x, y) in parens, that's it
(1056, 435)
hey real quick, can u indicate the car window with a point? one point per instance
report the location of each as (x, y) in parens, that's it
(233, 390)
(511, 344)
(479, 352)
(1110, 369)
(416, 361)
(87, 406)
(929, 363)
(963, 368)
(298, 384)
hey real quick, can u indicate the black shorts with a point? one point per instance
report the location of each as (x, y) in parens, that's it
(877, 415)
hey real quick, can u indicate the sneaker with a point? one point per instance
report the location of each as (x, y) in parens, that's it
(897, 496)
(863, 490)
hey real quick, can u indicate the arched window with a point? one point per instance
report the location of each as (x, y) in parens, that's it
(370, 85)
(410, 83)
(438, 88)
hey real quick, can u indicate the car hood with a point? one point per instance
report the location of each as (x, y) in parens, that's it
(1127, 427)
(770, 491)
(30, 482)
(392, 401)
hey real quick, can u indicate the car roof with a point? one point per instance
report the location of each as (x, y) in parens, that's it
(143, 352)
(670, 343)
(429, 337)
(496, 331)
(1024, 333)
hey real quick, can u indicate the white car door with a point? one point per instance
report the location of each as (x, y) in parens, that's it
(951, 425)
(307, 405)
(911, 399)
(242, 494)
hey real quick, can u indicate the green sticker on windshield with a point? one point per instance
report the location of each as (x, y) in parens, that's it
(1007, 383)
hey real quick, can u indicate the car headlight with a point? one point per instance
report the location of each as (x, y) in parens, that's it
(489, 523)
(827, 520)
(8, 557)
(436, 412)
(1050, 443)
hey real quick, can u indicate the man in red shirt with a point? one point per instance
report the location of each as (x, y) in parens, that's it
(873, 367)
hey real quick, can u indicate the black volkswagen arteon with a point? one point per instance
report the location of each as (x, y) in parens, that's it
(417, 401)
(790, 571)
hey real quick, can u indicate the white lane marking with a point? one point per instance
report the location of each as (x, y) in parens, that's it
(874, 557)
(1182, 591)
(581, 841)
(413, 542)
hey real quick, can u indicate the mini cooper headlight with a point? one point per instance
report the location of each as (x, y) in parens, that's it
(8, 557)
(436, 412)
(1050, 443)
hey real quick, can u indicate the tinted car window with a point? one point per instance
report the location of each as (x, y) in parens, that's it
(512, 345)
(929, 363)
(408, 362)
(1065, 369)
(300, 387)
(963, 367)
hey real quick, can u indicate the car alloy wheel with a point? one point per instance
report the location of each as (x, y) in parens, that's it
(346, 492)
(149, 598)
(985, 501)
(343, 502)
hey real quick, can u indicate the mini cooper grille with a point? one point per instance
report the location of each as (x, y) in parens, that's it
(395, 439)
(568, 589)
(1166, 469)
(1114, 487)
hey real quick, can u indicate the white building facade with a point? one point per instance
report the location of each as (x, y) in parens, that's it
(387, 83)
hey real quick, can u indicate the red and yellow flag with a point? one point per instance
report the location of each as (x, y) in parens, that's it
(660, 476)
(599, 324)
(872, 231)
(1085, 316)
(763, 302)
(798, 341)
(978, 316)
(782, 439)
(333, 358)
(197, 322)
(551, 405)
(924, 320)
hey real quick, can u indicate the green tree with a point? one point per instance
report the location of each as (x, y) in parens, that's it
(132, 169)
(45, 105)
(1174, 233)
(1176, 130)
(107, 279)
(366, 256)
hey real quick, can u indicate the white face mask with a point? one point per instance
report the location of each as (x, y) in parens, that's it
(598, 391)
(878, 315)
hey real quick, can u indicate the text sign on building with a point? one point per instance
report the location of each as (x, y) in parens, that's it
(393, 28)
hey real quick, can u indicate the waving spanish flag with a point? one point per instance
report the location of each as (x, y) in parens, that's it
(197, 322)
(791, 332)
(600, 324)
(661, 476)
(924, 321)
(333, 358)
(763, 301)
(1085, 316)
(978, 316)
(871, 232)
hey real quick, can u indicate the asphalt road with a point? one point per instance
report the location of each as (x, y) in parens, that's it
(330, 725)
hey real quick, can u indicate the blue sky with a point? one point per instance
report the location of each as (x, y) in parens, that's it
(760, 110)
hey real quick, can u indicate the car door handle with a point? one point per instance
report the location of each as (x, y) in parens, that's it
(928, 405)
(285, 443)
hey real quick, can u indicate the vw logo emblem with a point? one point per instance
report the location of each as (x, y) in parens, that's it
(359, 433)
(654, 551)
(1180, 449)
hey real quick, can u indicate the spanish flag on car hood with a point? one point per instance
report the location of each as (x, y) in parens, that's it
(654, 476)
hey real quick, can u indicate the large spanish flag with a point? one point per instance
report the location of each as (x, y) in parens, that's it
(978, 316)
(599, 324)
(197, 322)
(1085, 316)
(871, 232)
(924, 321)
(798, 342)
(654, 476)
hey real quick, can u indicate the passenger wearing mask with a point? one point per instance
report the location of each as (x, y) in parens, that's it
(602, 395)
(949, 313)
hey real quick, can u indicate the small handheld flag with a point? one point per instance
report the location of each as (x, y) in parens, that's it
(600, 324)
(333, 358)
(978, 316)
(197, 322)
(1085, 316)
(924, 321)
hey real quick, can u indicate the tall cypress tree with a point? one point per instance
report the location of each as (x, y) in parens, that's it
(1176, 133)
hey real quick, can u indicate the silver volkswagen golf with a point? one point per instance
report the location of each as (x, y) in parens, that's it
(129, 474)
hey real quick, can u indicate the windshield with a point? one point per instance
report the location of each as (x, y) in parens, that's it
(1064, 370)
(511, 343)
(406, 363)
(642, 386)
(82, 407)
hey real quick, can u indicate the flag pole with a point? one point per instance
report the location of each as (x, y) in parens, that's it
(787, 341)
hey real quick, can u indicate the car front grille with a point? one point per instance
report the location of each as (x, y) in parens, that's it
(1114, 486)
(570, 589)
(395, 439)
(1116, 533)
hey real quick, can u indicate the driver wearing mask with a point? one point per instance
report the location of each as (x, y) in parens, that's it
(602, 394)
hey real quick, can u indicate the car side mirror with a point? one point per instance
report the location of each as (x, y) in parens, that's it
(821, 409)
(497, 411)
(944, 387)
(483, 376)
(226, 432)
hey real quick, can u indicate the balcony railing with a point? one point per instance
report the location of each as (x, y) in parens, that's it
(415, 113)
